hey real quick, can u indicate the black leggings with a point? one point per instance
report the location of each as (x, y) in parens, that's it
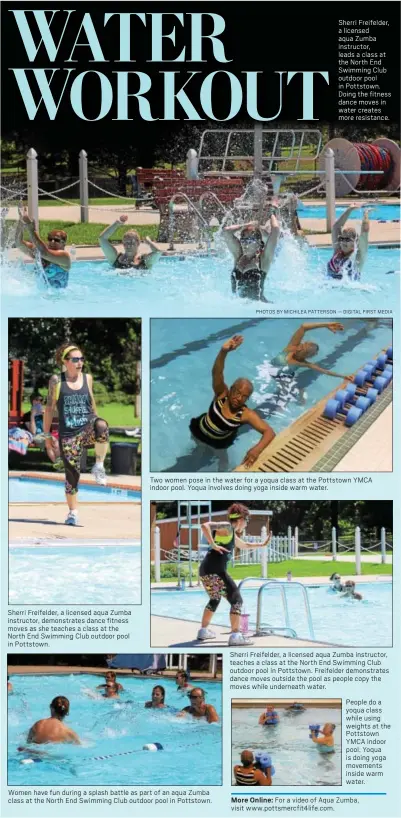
(96, 431)
(219, 585)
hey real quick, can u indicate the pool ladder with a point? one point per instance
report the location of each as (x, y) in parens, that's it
(264, 630)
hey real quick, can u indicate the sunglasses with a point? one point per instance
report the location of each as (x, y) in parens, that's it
(58, 239)
(345, 239)
(196, 697)
(76, 359)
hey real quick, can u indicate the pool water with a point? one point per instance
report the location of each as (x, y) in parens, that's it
(296, 759)
(366, 623)
(31, 490)
(182, 355)
(385, 212)
(75, 574)
(192, 748)
(297, 278)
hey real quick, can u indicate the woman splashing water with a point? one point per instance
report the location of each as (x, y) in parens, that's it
(130, 258)
(223, 538)
(253, 254)
(79, 426)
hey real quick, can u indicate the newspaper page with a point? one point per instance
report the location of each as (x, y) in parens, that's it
(200, 266)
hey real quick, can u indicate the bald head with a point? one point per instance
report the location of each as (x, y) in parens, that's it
(247, 758)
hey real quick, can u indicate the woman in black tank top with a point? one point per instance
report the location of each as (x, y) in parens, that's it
(79, 426)
(223, 538)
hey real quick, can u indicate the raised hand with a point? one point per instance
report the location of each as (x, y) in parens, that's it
(233, 343)
(335, 327)
(123, 218)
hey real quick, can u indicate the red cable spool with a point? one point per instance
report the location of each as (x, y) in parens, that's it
(382, 155)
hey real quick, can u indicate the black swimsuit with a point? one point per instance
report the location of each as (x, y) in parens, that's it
(121, 263)
(248, 283)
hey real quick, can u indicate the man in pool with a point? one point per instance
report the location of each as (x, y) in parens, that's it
(110, 676)
(326, 739)
(111, 690)
(219, 426)
(55, 259)
(247, 774)
(295, 707)
(349, 253)
(198, 708)
(52, 730)
(182, 679)
(9, 685)
(297, 351)
(129, 259)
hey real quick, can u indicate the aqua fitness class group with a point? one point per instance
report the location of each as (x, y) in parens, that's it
(256, 769)
(53, 730)
(253, 248)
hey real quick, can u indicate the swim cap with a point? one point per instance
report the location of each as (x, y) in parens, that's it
(153, 747)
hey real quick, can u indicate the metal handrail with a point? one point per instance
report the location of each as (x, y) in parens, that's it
(288, 133)
(283, 589)
(181, 195)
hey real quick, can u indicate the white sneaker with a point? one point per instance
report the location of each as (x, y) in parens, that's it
(72, 518)
(237, 639)
(205, 633)
(99, 474)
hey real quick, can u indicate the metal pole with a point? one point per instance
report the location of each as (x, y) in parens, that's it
(357, 550)
(258, 149)
(296, 540)
(289, 552)
(192, 164)
(32, 181)
(383, 544)
(263, 561)
(334, 543)
(157, 554)
(330, 189)
(83, 185)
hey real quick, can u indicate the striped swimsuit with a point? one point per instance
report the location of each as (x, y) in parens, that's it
(214, 428)
(246, 779)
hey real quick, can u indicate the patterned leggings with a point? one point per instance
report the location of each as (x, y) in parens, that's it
(218, 586)
(71, 448)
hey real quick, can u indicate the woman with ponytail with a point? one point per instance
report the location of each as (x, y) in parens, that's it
(223, 538)
(79, 426)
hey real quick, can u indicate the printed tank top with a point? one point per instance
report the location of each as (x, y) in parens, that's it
(74, 407)
(56, 276)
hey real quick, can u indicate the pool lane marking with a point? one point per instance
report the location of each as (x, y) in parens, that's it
(203, 343)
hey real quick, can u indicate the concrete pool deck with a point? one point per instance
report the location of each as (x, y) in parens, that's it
(119, 481)
(62, 670)
(373, 452)
(111, 521)
(164, 632)
(242, 704)
(165, 586)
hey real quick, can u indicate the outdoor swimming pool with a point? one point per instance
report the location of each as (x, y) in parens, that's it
(385, 212)
(335, 619)
(192, 748)
(182, 355)
(297, 278)
(296, 759)
(75, 574)
(31, 490)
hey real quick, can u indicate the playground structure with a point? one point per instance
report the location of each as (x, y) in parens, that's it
(187, 547)
(313, 435)
(216, 187)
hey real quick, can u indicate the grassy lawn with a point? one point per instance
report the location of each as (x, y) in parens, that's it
(89, 233)
(299, 568)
